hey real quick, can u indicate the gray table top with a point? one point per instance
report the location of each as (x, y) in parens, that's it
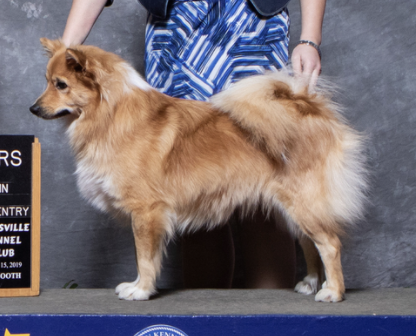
(392, 301)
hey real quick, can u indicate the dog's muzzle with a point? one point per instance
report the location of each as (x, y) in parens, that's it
(38, 111)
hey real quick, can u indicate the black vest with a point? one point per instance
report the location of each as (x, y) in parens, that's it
(263, 7)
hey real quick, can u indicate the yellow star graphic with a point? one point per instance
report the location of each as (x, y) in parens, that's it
(7, 333)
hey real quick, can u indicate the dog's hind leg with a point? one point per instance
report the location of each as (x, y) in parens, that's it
(150, 229)
(329, 247)
(314, 278)
(320, 226)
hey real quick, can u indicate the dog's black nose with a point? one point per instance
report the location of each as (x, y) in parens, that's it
(35, 109)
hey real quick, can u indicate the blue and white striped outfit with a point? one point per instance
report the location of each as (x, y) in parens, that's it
(204, 46)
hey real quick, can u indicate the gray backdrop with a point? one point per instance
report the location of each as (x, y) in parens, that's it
(369, 51)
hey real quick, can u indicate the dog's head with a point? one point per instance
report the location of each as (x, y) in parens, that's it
(71, 81)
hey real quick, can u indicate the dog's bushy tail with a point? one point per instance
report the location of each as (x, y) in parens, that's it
(261, 105)
(284, 119)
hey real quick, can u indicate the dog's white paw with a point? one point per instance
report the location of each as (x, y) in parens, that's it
(121, 287)
(134, 293)
(125, 285)
(329, 295)
(309, 285)
(130, 291)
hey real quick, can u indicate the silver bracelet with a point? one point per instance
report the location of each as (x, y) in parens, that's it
(312, 44)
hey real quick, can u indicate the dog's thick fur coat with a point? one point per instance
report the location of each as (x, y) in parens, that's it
(175, 165)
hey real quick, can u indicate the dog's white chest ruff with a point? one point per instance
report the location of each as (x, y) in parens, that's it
(96, 188)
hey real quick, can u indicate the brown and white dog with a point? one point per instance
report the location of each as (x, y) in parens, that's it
(175, 165)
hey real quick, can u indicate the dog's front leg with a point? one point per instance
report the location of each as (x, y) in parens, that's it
(150, 231)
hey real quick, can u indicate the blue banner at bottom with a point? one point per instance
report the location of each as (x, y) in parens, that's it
(255, 325)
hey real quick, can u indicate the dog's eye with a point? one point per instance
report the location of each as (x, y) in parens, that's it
(61, 85)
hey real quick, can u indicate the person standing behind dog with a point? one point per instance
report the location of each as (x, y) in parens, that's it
(195, 49)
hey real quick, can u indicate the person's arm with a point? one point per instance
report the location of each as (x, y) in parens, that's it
(305, 58)
(81, 18)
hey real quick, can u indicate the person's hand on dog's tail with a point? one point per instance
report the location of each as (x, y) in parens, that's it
(306, 56)
(306, 63)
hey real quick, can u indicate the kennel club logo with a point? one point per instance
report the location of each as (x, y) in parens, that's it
(161, 330)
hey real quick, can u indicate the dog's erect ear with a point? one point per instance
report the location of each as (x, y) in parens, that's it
(76, 60)
(51, 46)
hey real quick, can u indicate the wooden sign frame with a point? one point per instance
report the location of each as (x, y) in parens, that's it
(33, 289)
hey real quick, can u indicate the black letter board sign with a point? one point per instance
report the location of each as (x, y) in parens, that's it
(19, 215)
